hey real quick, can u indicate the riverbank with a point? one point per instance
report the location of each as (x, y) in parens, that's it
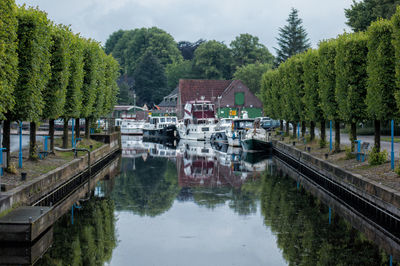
(378, 184)
(43, 176)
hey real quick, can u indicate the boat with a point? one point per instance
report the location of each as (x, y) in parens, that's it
(256, 139)
(238, 129)
(219, 135)
(199, 121)
(131, 126)
(161, 127)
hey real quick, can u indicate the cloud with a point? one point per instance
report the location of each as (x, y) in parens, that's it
(221, 20)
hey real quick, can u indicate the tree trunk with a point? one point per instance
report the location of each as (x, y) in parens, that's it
(287, 128)
(6, 141)
(294, 129)
(337, 136)
(377, 141)
(323, 133)
(303, 129)
(51, 134)
(353, 135)
(77, 128)
(87, 128)
(312, 130)
(32, 141)
(281, 125)
(65, 133)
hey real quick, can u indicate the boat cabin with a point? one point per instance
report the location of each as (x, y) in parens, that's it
(199, 112)
(241, 124)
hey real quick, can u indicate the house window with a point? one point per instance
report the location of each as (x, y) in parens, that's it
(239, 98)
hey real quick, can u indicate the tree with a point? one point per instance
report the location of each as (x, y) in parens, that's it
(381, 84)
(311, 100)
(187, 48)
(8, 66)
(73, 100)
(361, 14)
(113, 40)
(111, 75)
(246, 49)
(176, 71)
(327, 85)
(396, 45)
(150, 81)
(267, 92)
(55, 91)
(351, 77)
(251, 75)
(33, 67)
(212, 60)
(90, 86)
(292, 38)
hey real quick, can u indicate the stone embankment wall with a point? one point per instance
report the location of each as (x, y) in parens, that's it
(379, 194)
(34, 189)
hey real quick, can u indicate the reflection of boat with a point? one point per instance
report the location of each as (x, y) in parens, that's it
(161, 128)
(198, 121)
(131, 127)
(159, 150)
(195, 148)
(132, 146)
(256, 139)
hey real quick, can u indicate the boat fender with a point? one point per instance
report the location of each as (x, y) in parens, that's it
(233, 135)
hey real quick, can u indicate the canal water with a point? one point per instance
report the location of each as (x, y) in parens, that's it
(203, 205)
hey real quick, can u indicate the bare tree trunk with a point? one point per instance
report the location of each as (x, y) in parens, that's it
(32, 141)
(323, 133)
(77, 128)
(353, 134)
(281, 125)
(312, 130)
(6, 140)
(65, 133)
(377, 141)
(287, 128)
(294, 129)
(87, 127)
(337, 136)
(51, 134)
(303, 129)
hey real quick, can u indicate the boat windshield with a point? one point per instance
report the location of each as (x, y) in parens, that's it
(244, 124)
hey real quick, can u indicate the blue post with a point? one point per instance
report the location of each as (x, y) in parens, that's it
(298, 184)
(298, 130)
(45, 142)
(72, 140)
(1, 161)
(392, 152)
(330, 215)
(20, 146)
(330, 135)
(391, 260)
(98, 123)
(358, 150)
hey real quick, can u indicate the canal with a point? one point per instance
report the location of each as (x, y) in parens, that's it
(195, 205)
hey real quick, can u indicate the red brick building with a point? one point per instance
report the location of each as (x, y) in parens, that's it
(231, 97)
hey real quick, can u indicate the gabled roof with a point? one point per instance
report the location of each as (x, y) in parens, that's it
(192, 89)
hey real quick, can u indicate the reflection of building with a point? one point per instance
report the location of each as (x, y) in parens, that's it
(230, 97)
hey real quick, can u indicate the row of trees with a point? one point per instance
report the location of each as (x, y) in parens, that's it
(349, 79)
(152, 62)
(48, 72)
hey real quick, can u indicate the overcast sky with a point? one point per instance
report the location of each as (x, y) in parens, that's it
(220, 20)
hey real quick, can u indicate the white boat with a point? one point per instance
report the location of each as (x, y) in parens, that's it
(161, 127)
(199, 121)
(131, 127)
(256, 139)
(237, 130)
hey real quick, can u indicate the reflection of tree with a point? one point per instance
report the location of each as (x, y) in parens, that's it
(148, 190)
(89, 241)
(244, 200)
(211, 197)
(300, 223)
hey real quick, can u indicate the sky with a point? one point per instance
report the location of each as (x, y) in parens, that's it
(190, 20)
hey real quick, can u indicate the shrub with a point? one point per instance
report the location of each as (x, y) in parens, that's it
(322, 143)
(397, 170)
(377, 158)
(349, 154)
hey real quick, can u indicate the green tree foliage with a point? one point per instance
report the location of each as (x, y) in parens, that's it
(381, 84)
(351, 78)
(292, 38)
(251, 75)
(100, 87)
(327, 85)
(311, 100)
(362, 13)
(187, 48)
(8, 55)
(212, 60)
(246, 49)
(113, 40)
(149, 77)
(111, 75)
(34, 53)
(396, 44)
(270, 94)
(176, 71)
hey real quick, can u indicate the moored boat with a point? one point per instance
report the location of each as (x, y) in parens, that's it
(161, 128)
(256, 139)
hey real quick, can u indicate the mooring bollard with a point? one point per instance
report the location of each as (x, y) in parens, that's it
(294, 143)
(23, 176)
(309, 149)
(326, 156)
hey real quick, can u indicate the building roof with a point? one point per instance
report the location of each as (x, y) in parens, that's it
(166, 103)
(123, 107)
(170, 99)
(192, 89)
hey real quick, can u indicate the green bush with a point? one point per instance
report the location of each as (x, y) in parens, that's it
(377, 158)
(349, 154)
(322, 143)
(397, 170)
